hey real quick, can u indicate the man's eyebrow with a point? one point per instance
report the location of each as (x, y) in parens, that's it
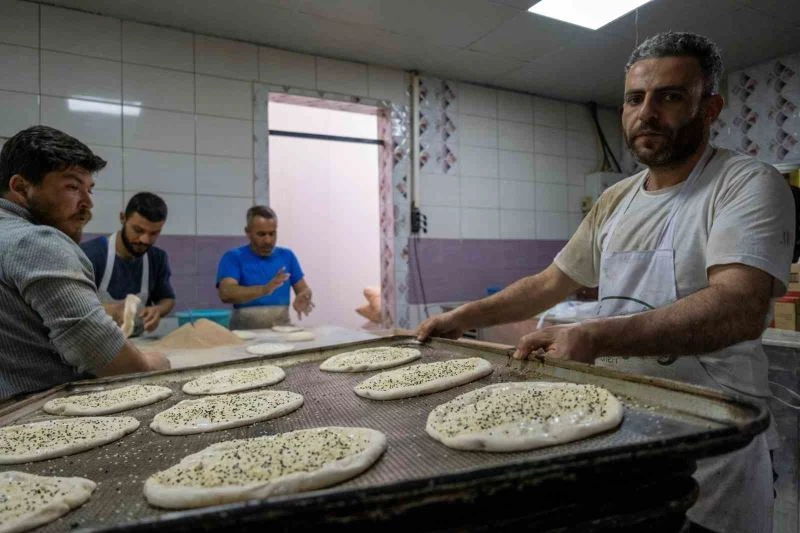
(77, 177)
(662, 89)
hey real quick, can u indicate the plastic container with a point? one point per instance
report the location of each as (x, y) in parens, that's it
(220, 316)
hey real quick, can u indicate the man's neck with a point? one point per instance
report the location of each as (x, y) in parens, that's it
(669, 176)
(121, 250)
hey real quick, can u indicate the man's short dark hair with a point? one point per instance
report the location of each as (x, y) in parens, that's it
(681, 44)
(260, 211)
(34, 152)
(148, 205)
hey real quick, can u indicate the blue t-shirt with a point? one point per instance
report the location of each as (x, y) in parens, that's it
(249, 269)
(126, 278)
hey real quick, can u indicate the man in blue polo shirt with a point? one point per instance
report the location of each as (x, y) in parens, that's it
(127, 263)
(254, 277)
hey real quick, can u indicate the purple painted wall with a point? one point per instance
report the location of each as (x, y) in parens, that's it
(458, 270)
(193, 260)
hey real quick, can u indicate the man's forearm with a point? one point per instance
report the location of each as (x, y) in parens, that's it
(165, 306)
(236, 294)
(520, 300)
(703, 322)
(130, 360)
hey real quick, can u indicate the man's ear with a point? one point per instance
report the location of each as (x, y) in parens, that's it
(122, 217)
(19, 185)
(713, 108)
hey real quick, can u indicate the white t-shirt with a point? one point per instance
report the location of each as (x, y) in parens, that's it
(740, 211)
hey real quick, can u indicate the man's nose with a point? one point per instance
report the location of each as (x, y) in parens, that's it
(86, 200)
(648, 111)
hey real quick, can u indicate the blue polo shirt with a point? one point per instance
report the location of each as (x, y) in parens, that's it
(249, 268)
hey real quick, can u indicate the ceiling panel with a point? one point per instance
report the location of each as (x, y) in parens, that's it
(591, 68)
(528, 37)
(455, 23)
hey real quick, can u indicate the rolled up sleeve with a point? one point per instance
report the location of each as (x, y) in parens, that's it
(54, 278)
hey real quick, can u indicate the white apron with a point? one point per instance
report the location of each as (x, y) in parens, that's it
(735, 489)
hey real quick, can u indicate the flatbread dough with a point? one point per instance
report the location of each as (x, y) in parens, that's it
(300, 336)
(287, 329)
(367, 359)
(244, 334)
(508, 417)
(268, 466)
(38, 441)
(106, 402)
(235, 380)
(130, 308)
(426, 378)
(225, 411)
(28, 501)
(269, 348)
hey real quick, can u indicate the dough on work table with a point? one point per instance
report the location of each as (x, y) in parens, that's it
(300, 336)
(107, 402)
(285, 463)
(507, 417)
(426, 378)
(224, 411)
(244, 334)
(235, 380)
(367, 359)
(37, 441)
(269, 348)
(287, 329)
(28, 501)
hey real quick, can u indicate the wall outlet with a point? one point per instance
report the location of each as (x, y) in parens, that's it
(419, 221)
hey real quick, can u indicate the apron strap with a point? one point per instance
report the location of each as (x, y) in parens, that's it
(110, 256)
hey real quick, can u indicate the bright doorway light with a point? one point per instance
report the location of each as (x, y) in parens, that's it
(590, 14)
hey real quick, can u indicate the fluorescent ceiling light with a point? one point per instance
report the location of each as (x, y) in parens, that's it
(590, 14)
(100, 107)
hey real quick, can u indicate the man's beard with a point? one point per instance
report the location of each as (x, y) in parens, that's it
(130, 246)
(678, 144)
(41, 215)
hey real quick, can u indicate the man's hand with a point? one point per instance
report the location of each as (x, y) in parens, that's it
(303, 304)
(156, 361)
(445, 325)
(151, 317)
(573, 341)
(280, 278)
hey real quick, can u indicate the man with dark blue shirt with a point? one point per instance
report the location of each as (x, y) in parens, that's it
(127, 263)
(254, 277)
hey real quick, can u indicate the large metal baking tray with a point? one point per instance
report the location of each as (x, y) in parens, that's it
(667, 426)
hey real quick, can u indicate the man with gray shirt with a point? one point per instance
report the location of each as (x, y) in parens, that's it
(54, 328)
(686, 255)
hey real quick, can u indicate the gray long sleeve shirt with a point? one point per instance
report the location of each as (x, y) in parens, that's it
(53, 328)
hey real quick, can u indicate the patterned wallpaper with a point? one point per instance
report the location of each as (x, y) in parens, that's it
(762, 117)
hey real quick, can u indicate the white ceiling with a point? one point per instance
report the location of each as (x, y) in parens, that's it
(492, 42)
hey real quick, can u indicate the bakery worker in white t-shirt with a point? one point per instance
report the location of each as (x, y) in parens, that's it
(687, 255)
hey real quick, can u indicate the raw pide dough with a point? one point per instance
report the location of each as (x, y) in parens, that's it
(130, 308)
(37, 441)
(522, 416)
(28, 501)
(106, 402)
(235, 380)
(367, 359)
(267, 466)
(244, 334)
(225, 411)
(300, 336)
(269, 348)
(287, 329)
(426, 378)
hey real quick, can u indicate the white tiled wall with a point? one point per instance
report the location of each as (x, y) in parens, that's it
(521, 162)
(171, 111)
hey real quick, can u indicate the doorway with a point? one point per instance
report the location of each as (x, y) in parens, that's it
(324, 187)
